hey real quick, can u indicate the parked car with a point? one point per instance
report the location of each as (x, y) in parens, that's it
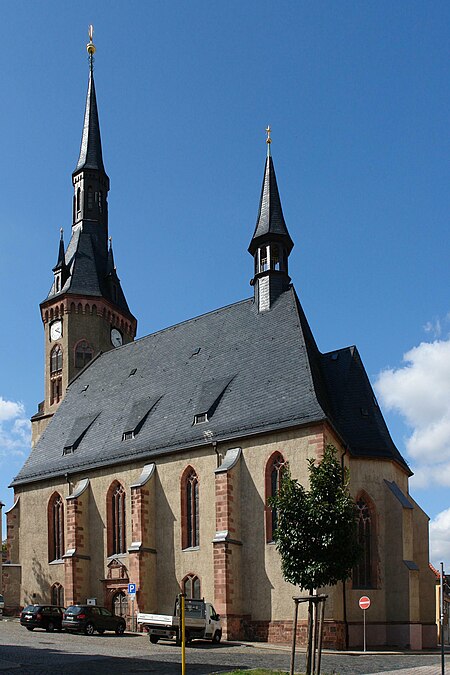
(2, 601)
(91, 618)
(48, 617)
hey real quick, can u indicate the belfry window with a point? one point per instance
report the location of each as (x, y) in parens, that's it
(117, 520)
(190, 509)
(274, 257)
(83, 353)
(78, 200)
(362, 573)
(100, 201)
(55, 528)
(263, 259)
(274, 474)
(56, 359)
(191, 587)
(90, 198)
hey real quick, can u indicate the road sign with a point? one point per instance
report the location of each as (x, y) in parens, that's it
(364, 602)
(131, 589)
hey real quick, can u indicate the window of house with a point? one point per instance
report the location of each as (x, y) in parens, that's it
(56, 359)
(55, 390)
(362, 573)
(274, 473)
(83, 353)
(55, 528)
(57, 595)
(191, 587)
(189, 509)
(117, 520)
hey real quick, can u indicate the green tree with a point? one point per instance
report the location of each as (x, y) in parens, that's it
(316, 534)
(317, 539)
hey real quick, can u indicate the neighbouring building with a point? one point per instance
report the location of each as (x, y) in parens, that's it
(153, 459)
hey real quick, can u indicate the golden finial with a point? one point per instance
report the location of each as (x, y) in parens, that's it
(268, 131)
(90, 45)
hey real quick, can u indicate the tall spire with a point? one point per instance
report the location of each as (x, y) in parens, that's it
(271, 243)
(91, 144)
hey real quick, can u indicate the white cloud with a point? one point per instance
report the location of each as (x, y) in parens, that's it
(15, 430)
(420, 392)
(440, 539)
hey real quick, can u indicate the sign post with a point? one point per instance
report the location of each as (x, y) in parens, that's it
(132, 595)
(364, 603)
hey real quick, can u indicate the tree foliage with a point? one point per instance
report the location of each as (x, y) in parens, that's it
(316, 534)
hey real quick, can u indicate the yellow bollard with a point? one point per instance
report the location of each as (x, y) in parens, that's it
(183, 637)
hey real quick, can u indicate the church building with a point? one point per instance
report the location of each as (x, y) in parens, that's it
(152, 460)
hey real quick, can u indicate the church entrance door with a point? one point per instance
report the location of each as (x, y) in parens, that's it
(120, 604)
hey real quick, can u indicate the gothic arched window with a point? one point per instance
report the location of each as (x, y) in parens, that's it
(191, 586)
(55, 528)
(56, 359)
(116, 519)
(57, 595)
(274, 473)
(83, 353)
(363, 573)
(189, 509)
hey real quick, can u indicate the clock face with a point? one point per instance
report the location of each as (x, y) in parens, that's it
(116, 337)
(56, 330)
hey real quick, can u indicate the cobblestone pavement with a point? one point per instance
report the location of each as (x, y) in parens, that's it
(41, 653)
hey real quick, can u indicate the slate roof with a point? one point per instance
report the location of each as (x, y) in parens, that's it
(91, 145)
(88, 263)
(267, 367)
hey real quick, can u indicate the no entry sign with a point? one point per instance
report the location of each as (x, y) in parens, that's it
(364, 602)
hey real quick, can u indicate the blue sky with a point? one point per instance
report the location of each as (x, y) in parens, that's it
(357, 94)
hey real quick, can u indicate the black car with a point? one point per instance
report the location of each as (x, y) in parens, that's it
(91, 618)
(48, 617)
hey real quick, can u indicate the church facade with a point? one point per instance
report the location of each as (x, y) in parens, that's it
(152, 460)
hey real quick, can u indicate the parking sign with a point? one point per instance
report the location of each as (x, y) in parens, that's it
(131, 589)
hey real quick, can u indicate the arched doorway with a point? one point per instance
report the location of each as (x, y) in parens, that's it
(120, 604)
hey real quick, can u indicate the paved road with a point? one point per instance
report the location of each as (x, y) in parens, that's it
(40, 653)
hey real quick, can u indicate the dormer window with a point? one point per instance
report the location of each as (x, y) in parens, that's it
(199, 419)
(209, 398)
(139, 412)
(77, 432)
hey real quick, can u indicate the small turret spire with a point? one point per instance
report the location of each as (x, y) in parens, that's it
(61, 257)
(271, 243)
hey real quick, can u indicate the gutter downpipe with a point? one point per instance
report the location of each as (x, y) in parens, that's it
(344, 596)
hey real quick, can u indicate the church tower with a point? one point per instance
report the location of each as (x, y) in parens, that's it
(85, 311)
(271, 243)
